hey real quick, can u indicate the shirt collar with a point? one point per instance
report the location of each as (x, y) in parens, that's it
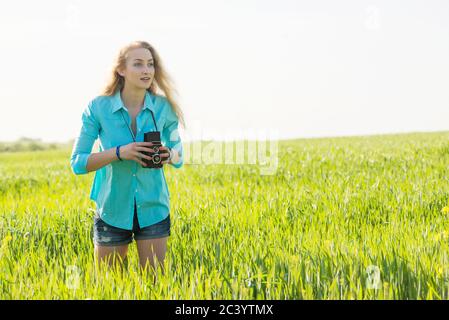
(117, 102)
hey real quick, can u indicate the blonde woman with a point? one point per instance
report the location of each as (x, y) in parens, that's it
(132, 198)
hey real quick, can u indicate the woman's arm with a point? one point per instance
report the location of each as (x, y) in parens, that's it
(83, 161)
(171, 138)
(131, 151)
(89, 132)
(100, 159)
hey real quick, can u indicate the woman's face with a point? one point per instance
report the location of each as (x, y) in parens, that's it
(139, 69)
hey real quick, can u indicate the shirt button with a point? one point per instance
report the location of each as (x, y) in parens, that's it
(136, 190)
(134, 175)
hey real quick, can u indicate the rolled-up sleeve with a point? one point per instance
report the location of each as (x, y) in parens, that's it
(82, 147)
(170, 135)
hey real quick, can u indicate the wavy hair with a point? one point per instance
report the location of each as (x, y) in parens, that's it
(161, 80)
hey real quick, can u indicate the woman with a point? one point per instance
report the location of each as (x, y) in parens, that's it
(132, 198)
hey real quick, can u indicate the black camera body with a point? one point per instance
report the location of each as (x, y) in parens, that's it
(156, 158)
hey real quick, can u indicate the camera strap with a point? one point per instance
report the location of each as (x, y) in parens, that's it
(127, 125)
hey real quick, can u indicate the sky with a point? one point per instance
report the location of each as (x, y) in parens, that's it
(284, 68)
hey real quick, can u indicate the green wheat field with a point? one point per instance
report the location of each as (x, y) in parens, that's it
(341, 218)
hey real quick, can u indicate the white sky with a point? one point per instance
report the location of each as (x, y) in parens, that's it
(296, 68)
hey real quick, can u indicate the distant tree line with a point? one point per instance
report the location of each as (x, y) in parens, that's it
(30, 144)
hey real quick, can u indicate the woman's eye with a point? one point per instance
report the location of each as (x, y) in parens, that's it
(139, 64)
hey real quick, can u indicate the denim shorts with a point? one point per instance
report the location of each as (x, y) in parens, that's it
(107, 235)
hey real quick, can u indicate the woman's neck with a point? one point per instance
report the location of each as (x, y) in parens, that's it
(133, 99)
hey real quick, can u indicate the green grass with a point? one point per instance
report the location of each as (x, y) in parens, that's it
(335, 208)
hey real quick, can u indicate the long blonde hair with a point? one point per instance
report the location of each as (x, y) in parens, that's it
(161, 79)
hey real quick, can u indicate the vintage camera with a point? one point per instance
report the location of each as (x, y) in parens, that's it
(156, 161)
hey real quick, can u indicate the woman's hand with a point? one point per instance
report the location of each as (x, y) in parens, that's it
(133, 151)
(174, 155)
(165, 154)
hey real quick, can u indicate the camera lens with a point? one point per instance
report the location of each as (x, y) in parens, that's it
(155, 149)
(156, 159)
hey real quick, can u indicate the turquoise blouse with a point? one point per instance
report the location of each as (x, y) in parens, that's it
(117, 184)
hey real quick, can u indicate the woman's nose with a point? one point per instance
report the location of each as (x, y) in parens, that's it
(147, 70)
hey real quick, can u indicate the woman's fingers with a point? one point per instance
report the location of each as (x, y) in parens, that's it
(144, 144)
(165, 157)
(141, 155)
(139, 160)
(141, 147)
(165, 153)
(146, 149)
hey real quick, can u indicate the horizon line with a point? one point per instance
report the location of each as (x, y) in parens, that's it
(41, 140)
